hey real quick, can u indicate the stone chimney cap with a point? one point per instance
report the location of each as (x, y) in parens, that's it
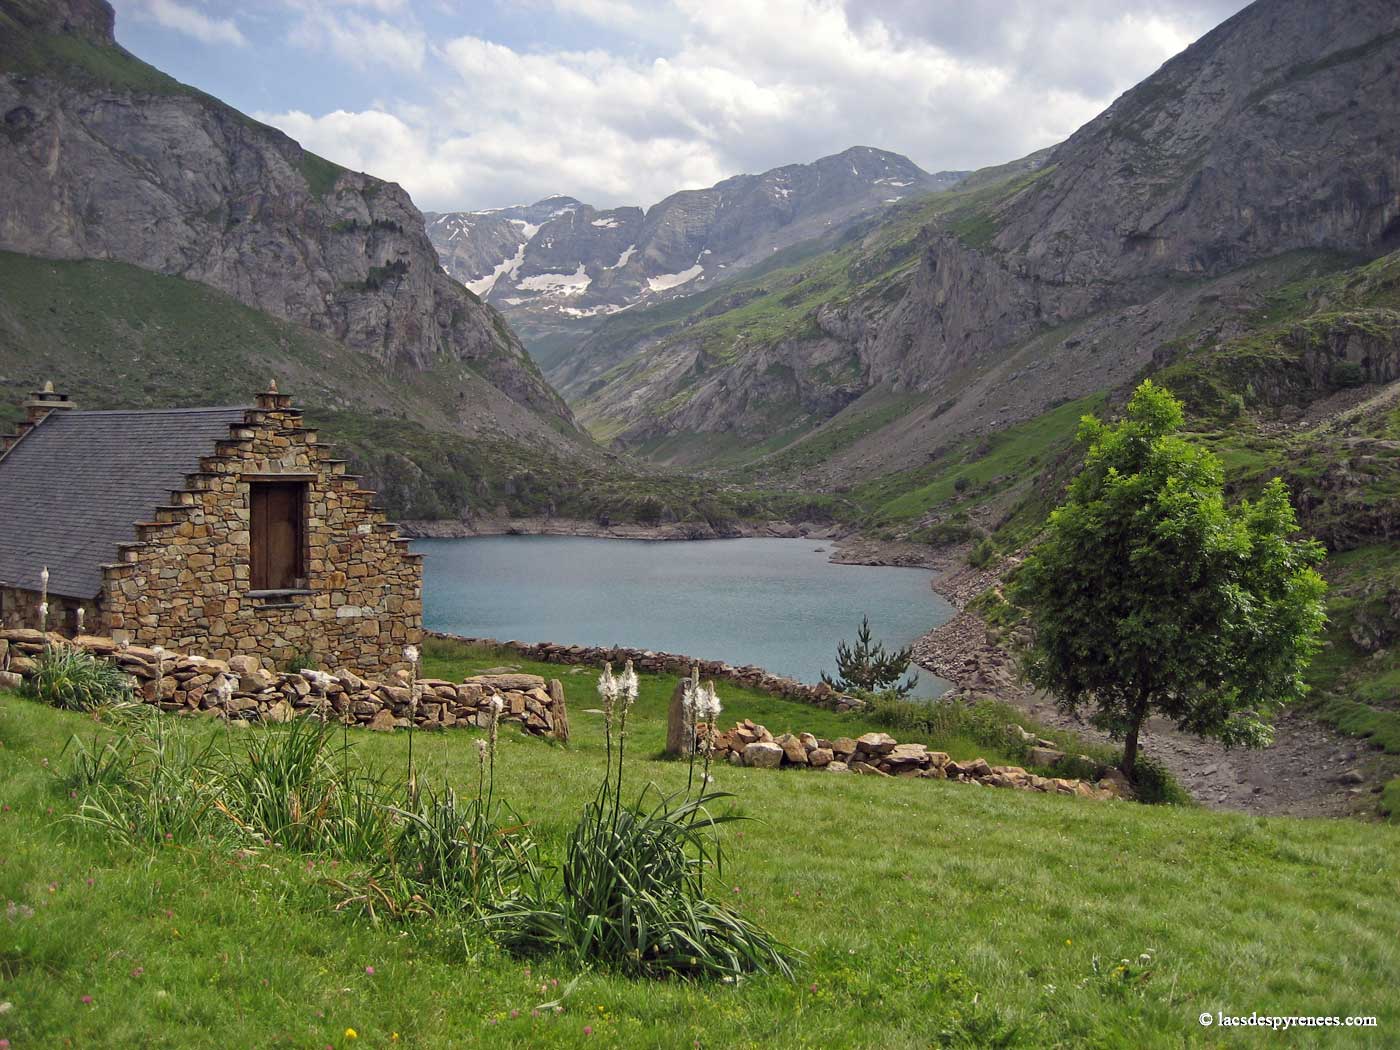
(46, 400)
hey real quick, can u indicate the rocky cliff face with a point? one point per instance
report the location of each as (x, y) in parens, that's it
(1275, 132)
(102, 157)
(558, 266)
(1278, 132)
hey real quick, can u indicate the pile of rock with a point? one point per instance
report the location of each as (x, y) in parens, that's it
(650, 661)
(190, 684)
(879, 754)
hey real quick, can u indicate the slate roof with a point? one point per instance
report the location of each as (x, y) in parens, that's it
(73, 488)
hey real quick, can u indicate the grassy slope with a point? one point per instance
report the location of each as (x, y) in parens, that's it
(931, 914)
(116, 336)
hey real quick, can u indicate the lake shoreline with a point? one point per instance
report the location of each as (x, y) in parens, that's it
(848, 545)
(751, 569)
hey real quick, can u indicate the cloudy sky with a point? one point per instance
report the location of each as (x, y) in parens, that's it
(483, 103)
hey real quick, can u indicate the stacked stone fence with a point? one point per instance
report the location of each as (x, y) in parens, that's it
(652, 662)
(879, 754)
(190, 684)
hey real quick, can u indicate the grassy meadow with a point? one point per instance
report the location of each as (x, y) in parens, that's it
(929, 913)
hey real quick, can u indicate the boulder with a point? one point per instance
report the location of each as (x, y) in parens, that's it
(244, 664)
(843, 747)
(867, 768)
(905, 756)
(837, 767)
(383, 722)
(876, 743)
(280, 712)
(1044, 756)
(10, 680)
(1116, 784)
(977, 768)
(792, 749)
(819, 757)
(763, 755)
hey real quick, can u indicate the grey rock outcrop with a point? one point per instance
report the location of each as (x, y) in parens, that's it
(134, 167)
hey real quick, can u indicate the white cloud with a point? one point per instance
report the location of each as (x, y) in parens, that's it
(738, 86)
(360, 40)
(187, 19)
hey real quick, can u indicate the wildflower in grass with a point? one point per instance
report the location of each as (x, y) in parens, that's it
(350, 1033)
(588, 1029)
(480, 766)
(369, 970)
(607, 690)
(82, 613)
(86, 1000)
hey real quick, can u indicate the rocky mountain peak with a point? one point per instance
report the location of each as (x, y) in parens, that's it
(557, 267)
(92, 20)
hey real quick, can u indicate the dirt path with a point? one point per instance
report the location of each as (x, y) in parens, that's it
(1301, 774)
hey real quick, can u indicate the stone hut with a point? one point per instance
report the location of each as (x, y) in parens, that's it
(225, 531)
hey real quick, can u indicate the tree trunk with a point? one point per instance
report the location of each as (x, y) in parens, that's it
(1130, 742)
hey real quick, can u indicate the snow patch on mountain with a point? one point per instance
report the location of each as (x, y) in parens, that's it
(664, 281)
(575, 283)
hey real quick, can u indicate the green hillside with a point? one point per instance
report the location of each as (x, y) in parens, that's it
(979, 918)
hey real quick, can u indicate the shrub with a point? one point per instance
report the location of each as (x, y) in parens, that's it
(985, 723)
(1390, 801)
(982, 554)
(1155, 786)
(76, 681)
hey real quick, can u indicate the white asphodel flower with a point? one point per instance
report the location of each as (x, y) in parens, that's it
(158, 652)
(82, 614)
(44, 576)
(708, 707)
(481, 749)
(44, 611)
(497, 705)
(607, 684)
(627, 684)
(410, 653)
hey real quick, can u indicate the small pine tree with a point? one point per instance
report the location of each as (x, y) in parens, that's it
(868, 667)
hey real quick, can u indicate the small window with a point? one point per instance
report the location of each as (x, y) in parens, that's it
(277, 535)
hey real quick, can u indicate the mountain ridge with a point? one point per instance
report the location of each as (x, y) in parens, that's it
(559, 265)
(1270, 135)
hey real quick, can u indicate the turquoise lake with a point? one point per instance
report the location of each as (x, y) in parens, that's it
(778, 604)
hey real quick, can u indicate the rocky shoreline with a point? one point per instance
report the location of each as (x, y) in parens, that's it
(848, 546)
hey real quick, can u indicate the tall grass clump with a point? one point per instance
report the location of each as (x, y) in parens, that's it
(472, 858)
(149, 783)
(75, 680)
(633, 880)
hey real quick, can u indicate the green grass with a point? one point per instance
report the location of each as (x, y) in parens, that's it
(990, 464)
(931, 914)
(455, 660)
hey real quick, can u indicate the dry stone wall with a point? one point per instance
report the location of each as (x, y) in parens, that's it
(650, 661)
(879, 754)
(186, 584)
(190, 684)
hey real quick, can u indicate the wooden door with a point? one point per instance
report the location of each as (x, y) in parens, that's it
(277, 535)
